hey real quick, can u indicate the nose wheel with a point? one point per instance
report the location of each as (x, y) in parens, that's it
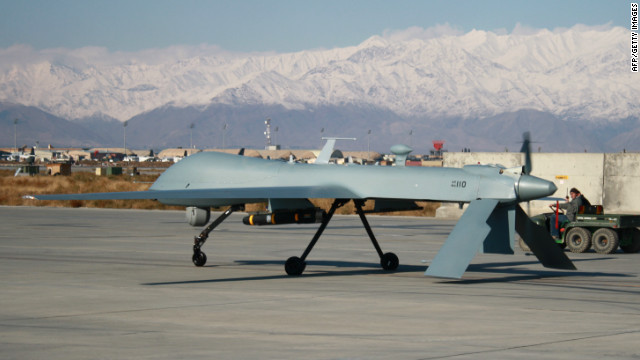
(199, 258)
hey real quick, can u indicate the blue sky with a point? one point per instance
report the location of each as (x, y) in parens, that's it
(273, 25)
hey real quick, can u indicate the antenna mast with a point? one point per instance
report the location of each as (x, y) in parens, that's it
(267, 133)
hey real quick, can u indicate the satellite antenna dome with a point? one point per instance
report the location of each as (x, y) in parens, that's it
(401, 149)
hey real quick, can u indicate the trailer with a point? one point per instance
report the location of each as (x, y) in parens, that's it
(593, 228)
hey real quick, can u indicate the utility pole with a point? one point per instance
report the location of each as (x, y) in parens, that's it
(224, 133)
(125, 137)
(275, 135)
(15, 134)
(191, 136)
(368, 144)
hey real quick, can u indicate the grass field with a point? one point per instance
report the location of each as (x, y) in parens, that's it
(12, 190)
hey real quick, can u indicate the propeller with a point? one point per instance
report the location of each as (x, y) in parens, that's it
(526, 169)
(526, 150)
(537, 237)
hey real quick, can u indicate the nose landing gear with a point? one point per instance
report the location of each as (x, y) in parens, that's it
(199, 258)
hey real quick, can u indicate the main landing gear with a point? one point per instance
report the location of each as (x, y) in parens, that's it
(296, 265)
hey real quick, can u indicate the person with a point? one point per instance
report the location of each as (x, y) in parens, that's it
(571, 210)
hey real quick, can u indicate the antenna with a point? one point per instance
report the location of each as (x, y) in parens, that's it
(267, 133)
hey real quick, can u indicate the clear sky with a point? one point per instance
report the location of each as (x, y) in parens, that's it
(274, 25)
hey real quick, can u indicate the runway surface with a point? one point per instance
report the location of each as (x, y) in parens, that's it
(119, 284)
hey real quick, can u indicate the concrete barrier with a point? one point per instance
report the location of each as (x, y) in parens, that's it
(608, 179)
(621, 183)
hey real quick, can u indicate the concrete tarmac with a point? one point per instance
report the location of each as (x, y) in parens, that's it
(119, 284)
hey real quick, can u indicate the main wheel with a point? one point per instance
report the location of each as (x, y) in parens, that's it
(294, 266)
(199, 258)
(389, 261)
(634, 246)
(578, 240)
(605, 241)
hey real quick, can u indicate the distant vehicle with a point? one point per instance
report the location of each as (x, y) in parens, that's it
(61, 158)
(173, 159)
(131, 158)
(107, 156)
(150, 157)
(593, 228)
(29, 158)
(147, 158)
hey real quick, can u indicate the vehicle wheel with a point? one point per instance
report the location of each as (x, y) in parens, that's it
(634, 247)
(294, 266)
(199, 258)
(605, 241)
(389, 261)
(578, 240)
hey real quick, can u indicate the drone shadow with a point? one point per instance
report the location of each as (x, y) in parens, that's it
(512, 271)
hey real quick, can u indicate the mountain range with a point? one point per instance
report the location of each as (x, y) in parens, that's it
(572, 88)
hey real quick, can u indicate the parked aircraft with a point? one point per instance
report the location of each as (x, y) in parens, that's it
(23, 156)
(325, 154)
(212, 179)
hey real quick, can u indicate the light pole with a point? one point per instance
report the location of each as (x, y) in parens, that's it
(15, 134)
(125, 137)
(275, 135)
(368, 143)
(224, 132)
(191, 136)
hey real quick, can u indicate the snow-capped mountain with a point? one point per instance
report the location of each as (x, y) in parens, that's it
(577, 73)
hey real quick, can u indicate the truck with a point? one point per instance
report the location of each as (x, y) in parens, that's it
(593, 228)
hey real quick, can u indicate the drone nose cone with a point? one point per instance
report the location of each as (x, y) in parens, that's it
(531, 188)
